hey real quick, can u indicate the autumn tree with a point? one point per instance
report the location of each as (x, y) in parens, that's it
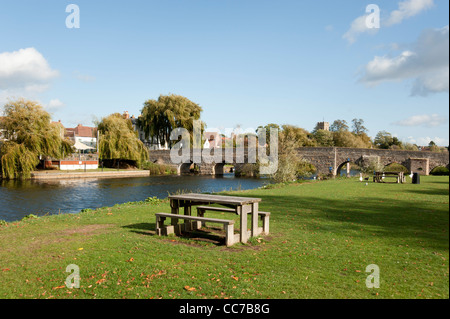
(29, 135)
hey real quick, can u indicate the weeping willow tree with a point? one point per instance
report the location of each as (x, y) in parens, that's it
(160, 117)
(29, 134)
(119, 141)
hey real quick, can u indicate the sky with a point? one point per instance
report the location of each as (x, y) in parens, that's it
(245, 62)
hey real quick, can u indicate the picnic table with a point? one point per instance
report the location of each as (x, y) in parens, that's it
(242, 206)
(379, 177)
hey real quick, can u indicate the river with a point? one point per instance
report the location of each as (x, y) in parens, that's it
(20, 198)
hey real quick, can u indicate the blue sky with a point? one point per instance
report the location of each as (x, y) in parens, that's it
(247, 63)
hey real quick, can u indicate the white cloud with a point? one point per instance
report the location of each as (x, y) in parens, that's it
(427, 63)
(424, 141)
(54, 105)
(407, 9)
(358, 27)
(427, 120)
(25, 69)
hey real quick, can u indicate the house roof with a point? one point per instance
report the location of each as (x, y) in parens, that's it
(82, 131)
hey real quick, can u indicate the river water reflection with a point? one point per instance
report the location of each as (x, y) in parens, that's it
(20, 198)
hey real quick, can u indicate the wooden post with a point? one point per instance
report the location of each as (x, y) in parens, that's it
(266, 224)
(229, 239)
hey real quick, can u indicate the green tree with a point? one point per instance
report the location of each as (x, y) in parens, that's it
(358, 126)
(118, 140)
(323, 138)
(383, 140)
(339, 126)
(29, 135)
(159, 117)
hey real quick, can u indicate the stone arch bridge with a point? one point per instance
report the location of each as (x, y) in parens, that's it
(326, 160)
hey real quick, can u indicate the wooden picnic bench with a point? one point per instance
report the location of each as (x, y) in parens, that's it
(230, 237)
(379, 177)
(242, 206)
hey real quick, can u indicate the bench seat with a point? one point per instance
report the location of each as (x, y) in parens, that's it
(216, 209)
(230, 237)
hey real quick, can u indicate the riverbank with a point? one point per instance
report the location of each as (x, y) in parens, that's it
(323, 236)
(46, 175)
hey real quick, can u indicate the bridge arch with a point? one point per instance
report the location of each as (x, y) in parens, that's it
(344, 166)
(218, 168)
(187, 168)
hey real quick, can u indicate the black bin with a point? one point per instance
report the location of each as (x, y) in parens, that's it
(416, 178)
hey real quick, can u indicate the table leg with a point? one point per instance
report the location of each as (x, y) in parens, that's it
(244, 210)
(254, 228)
(175, 209)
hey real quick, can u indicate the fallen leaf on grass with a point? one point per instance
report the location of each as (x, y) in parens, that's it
(189, 288)
(59, 287)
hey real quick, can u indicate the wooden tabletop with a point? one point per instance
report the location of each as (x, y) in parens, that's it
(217, 199)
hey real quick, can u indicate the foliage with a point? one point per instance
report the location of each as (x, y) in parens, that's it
(30, 216)
(358, 126)
(118, 140)
(160, 117)
(323, 138)
(29, 134)
(348, 139)
(158, 169)
(153, 200)
(395, 167)
(267, 128)
(409, 146)
(385, 140)
(290, 164)
(339, 125)
(298, 136)
(440, 170)
(249, 170)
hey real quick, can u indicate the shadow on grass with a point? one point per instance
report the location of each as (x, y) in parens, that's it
(395, 220)
(431, 191)
(211, 235)
(142, 228)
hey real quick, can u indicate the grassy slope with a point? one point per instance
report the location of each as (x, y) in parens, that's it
(323, 235)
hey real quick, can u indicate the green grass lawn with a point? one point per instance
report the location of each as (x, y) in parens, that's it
(323, 236)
